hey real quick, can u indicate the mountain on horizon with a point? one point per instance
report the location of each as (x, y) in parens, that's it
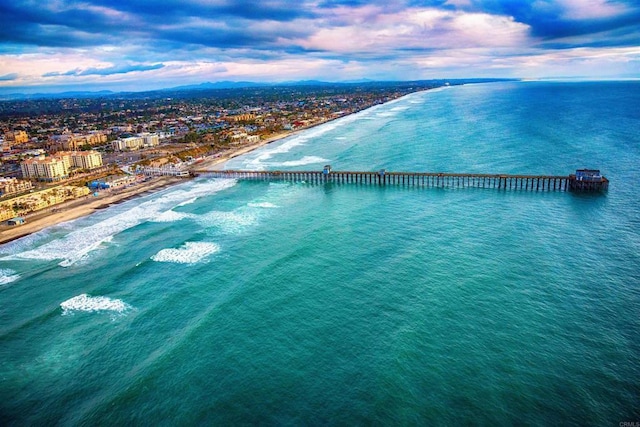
(225, 84)
(221, 85)
(56, 95)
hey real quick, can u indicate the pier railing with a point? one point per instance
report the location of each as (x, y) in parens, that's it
(420, 179)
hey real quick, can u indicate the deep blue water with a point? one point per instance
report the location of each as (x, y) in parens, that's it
(219, 302)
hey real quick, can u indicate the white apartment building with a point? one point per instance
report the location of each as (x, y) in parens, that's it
(128, 144)
(57, 167)
(44, 168)
(81, 159)
(149, 139)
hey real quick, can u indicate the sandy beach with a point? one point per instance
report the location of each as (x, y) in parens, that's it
(77, 208)
(87, 205)
(219, 162)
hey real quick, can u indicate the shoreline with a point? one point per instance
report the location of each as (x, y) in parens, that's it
(218, 163)
(84, 206)
(87, 205)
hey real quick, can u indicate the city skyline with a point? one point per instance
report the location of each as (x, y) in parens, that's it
(138, 45)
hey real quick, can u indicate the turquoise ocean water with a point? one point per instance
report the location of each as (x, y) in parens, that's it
(217, 302)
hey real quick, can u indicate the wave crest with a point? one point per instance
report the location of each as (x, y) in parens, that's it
(7, 276)
(90, 304)
(189, 253)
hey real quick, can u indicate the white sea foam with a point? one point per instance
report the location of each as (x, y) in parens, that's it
(171, 216)
(83, 253)
(77, 244)
(88, 303)
(257, 160)
(234, 222)
(189, 253)
(386, 114)
(265, 205)
(23, 243)
(8, 276)
(306, 160)
(187, 202)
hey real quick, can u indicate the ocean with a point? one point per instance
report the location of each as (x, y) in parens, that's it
(223, 302)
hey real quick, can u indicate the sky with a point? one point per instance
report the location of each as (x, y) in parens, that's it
(56, 45)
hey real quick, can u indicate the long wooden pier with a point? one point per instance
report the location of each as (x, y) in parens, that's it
(421, 179)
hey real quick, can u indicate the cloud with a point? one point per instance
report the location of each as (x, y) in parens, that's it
(9, 77)
(368, 30)
(116, 69)
(108, 41)
(553, 19)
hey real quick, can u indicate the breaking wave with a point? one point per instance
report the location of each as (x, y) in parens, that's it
(187, 202)
(77, 244)
(88, 303)
(229, 222)
(171, 216)
(8, 276)
(306, 160)
(189, 253)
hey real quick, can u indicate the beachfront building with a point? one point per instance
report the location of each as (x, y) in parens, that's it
(112, 181)
(128, 144)
(44, 168)
(238, 138)
(164, 171)
(10, 186)
(86, 159)
(6, 211)
(149, 139)
(163, 167)
(32, 202)
(80, 159)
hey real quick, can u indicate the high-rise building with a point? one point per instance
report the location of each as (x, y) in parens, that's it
(80, 159)
(44, 168)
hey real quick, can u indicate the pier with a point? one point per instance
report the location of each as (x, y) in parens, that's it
(585, 180)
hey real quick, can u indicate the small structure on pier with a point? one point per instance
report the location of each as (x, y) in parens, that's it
(589, 180)
(326, 170)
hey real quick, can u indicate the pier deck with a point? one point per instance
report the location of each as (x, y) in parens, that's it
(421, 179)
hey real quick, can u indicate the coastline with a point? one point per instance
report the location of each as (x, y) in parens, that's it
(78, 208)
(219, 162)
(87, 205)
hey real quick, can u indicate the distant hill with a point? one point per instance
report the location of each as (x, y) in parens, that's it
(216, 85)
(57, 95)
(226, 85)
